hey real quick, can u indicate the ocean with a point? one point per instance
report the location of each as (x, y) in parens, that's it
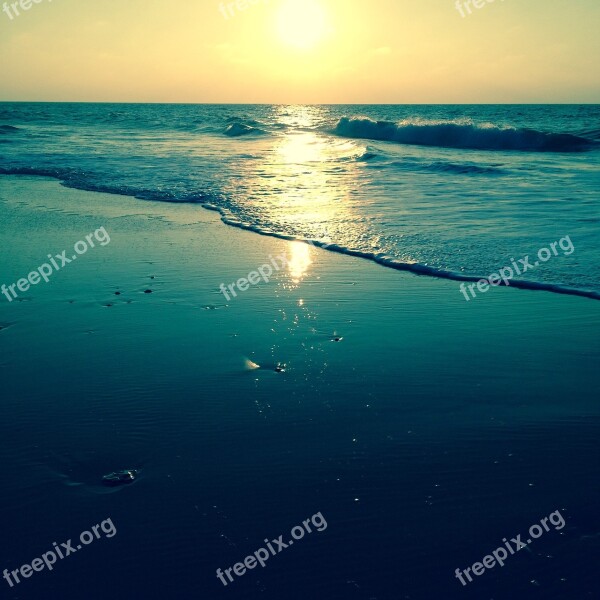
(450, 191)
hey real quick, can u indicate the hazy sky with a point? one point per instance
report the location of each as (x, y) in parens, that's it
(302, 51)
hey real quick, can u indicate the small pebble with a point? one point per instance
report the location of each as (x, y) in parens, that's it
(120, 477)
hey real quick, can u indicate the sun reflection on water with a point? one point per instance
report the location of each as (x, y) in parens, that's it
(300, 260)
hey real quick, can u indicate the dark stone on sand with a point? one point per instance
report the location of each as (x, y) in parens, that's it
(120, 477)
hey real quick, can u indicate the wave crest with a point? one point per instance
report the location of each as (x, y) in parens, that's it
(239, 129)
(460, 135)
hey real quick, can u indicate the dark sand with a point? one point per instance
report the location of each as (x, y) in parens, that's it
(432, 430)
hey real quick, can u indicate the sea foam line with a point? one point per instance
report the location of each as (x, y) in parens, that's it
(385, 261)
(398, 265)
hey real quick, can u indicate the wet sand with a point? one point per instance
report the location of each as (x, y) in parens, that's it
(424, 428)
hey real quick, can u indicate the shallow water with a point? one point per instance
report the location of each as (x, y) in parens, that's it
(449, 190)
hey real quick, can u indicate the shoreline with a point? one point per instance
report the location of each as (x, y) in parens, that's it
(415, 268)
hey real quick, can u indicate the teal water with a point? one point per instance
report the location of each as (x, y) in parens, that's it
(448, 190)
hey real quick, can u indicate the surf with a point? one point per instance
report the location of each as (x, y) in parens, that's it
(461, 135)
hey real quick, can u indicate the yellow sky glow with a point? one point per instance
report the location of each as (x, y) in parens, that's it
(301, 51)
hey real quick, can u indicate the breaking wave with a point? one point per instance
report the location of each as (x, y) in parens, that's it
(239, 129)
(461, 135)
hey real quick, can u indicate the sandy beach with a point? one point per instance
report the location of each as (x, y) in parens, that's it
(380, 398)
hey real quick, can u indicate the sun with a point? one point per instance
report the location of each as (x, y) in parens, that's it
(302, 23)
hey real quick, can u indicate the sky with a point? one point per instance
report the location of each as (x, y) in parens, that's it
(301, 51)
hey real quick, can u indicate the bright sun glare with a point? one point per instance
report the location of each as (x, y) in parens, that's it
(302, 23)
